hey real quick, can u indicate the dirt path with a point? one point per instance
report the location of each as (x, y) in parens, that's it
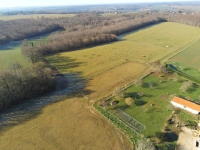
(187, 140)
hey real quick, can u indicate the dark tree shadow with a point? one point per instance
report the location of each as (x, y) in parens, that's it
(171, 136)
(123, 108)
(140, 102)
(193, 88)
(134, 95)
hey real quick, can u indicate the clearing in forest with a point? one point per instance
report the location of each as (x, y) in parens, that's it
(12, 56)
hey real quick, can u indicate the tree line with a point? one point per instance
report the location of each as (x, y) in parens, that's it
(25, 28)
(18, 84)
(93, 35)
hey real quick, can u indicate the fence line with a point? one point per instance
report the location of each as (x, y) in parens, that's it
(107, 114)
(130, 120)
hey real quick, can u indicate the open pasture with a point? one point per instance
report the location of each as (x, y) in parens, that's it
(189, 57)
(33, 16)
(144, 45)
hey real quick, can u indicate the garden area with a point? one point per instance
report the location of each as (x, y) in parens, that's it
(148, 102)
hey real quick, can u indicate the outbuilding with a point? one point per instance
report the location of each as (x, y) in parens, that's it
(186, 105)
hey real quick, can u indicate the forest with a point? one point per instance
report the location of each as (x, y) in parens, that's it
(82, 30)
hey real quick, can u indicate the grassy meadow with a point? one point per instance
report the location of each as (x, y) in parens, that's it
(145, 45)
(33, 16)
(189, 57)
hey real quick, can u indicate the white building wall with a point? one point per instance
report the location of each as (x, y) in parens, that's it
(185, 108)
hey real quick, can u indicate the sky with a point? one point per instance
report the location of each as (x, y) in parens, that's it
(19, 3)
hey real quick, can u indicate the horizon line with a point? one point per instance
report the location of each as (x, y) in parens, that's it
(175, 1)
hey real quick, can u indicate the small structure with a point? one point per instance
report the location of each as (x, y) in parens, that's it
(186, 105)
(113, 103)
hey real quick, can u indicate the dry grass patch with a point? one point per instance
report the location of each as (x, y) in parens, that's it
(105, 83)
(64, 125)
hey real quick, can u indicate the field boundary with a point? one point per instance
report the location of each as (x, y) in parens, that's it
(185, 75)
(179, 50)
(137, 126)
(125, 128)
(132, 134)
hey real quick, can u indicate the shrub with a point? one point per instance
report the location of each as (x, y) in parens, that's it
(129, 101)
(161, 136)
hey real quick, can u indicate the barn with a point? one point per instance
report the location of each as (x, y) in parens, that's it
(186, 105)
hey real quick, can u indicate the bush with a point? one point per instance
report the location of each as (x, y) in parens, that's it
(129, 101)
(161, 136)
(192, 124)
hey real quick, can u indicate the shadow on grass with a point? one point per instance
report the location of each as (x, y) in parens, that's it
(140, 102)
(65, 63)
(171, 136)
(123, 108)
(69, 85)
(134, 95)
(193, 88)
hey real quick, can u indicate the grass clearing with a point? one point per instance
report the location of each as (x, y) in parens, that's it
(185, 116)
(11, 52)
(11, 56)
(34, 16)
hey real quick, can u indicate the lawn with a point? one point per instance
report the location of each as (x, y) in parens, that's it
(153, 107)
(33, 16)
(144, 45)
(189, 57)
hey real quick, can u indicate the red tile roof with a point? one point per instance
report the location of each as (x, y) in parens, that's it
(186, 103)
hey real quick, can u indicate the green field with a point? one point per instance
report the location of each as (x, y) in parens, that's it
(33, 16)
(189, 57)
(145, 45)
(11, 56)
(153, 107)
(11, 52)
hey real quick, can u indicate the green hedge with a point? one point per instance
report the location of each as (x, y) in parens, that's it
(172, 68)
(125, 128)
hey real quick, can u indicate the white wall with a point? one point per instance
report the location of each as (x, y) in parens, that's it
(185, 108)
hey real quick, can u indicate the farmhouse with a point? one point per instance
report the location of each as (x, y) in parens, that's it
(187, 105)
